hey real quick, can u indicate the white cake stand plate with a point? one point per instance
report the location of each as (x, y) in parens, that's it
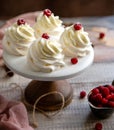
(53, 83)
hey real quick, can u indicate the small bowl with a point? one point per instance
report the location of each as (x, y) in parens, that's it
(100, 112)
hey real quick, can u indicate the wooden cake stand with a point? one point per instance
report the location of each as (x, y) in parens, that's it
(52, 85)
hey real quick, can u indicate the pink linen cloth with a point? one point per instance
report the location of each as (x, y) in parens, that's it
(13, 115)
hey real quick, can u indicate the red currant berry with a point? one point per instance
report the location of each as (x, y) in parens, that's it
(47, 12)
(74, 60)
(20, 21)
(98, 126)
(82, 94)
(77, 26)
(45, 35)
(101, 35)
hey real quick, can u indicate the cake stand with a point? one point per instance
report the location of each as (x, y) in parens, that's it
(54, 83)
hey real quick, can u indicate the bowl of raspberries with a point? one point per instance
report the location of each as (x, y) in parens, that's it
(101, 101)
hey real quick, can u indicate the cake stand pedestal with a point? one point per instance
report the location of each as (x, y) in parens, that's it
(51, 85)
(52, 101)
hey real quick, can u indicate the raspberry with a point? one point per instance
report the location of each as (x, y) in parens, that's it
(111, 97)
(82, 94)
(100, 88)
(104, 102)
(101, 35)
(98, 98)
(47, 12)
(45, 35)
(74, 60)
(98, 126)
(102, 96)
(77, 26)
(108, 96)
(20, 21)
(105, 91)
(111, 88)
(91, 98)
(95, 91)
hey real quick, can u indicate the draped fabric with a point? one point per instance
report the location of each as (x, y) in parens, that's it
(13, 115)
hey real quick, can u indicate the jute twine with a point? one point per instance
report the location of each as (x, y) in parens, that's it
(35, 106)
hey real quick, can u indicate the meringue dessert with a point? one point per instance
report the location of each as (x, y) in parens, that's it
(45, 55)
(48, 46)
(48, 23)
(18, 38)
(75, 41)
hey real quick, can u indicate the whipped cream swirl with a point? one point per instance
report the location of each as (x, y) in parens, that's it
(51, 25)
(45, 55)
(76, 43)
(18, 38)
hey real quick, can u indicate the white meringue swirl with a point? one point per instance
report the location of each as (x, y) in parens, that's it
(76, 43)
(45, 55)
(18, 38)
(51, 25)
